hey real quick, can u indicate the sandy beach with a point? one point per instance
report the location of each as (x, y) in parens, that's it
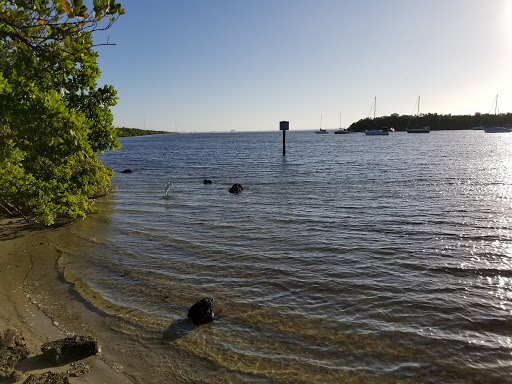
(27, 260)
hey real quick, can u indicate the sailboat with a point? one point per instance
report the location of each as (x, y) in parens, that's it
(497, 129)
(376, 132)
(425, 129)
(341, 131)
(321, 131)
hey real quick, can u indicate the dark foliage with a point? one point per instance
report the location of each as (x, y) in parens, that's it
(128, 132)
(433, 120)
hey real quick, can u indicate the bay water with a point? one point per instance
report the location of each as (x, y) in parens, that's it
(351, 259)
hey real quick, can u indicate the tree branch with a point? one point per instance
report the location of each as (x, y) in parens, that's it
(16, 210)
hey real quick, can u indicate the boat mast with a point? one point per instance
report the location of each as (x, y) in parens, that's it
(496, 111)
(374, 111)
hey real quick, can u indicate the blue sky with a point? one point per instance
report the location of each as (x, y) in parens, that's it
(218, 65)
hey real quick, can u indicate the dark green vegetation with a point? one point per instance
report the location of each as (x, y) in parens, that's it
(435, 121)
(128, 132)
(53, 116)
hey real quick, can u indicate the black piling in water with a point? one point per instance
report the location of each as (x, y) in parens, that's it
(284, 126)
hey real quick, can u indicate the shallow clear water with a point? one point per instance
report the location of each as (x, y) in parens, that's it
(351, 259)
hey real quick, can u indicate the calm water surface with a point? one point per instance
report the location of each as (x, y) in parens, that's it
(352, 259)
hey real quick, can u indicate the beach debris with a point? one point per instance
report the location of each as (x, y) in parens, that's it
(236, 188)
(70, 349)
(207, 181)
(127, 171)
(78, 368)
(13, 349)
(202, 311)
(47, 378)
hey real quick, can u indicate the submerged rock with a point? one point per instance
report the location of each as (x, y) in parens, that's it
(47, 378)
(70, 349)
(79, 368)
(13, 349)
(202, 311)
(236, 188)
(127, 171)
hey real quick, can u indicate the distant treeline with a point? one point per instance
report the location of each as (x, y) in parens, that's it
(433, 120)
(128, 132)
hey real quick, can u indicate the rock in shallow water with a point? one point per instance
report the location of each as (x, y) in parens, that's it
(12, 350)
(202, 311)
(70, 349)
(236, 188)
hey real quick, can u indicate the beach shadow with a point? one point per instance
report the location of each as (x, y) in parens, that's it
(178, 329)
(33, 363)
(12, 227)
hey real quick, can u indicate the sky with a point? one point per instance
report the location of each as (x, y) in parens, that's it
(245, 65)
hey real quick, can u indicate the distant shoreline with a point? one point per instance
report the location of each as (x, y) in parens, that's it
(436, 122)
(131, 132)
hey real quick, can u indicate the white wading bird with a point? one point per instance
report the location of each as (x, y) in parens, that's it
(167, 188)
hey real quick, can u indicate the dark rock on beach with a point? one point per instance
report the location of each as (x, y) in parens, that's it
(236, 188)
(47, 378)
(13, 349)
(206, 181)
(70, 349)
(127, 171)
(202, 311)
(15, 376)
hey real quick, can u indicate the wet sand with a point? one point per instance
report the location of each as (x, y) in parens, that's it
(28, 261)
